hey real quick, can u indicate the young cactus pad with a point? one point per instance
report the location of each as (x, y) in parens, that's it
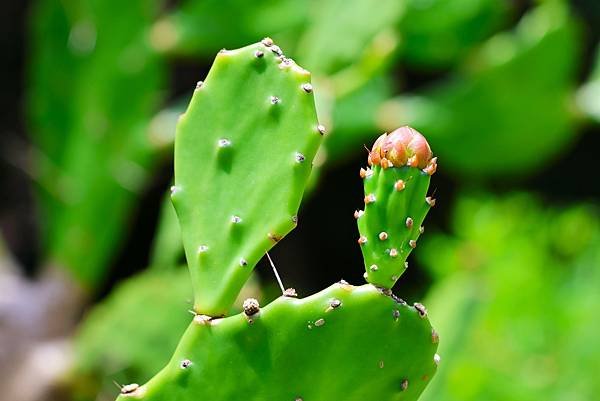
(343, 343)
(243, 154)
(396, 203)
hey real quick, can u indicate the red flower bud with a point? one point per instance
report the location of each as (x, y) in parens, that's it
(403, 146)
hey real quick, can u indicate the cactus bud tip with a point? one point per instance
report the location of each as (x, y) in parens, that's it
(403, 146)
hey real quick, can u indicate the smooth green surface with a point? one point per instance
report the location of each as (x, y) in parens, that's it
(241, 164)
(304, 349)
(388, 214)
(516, 300)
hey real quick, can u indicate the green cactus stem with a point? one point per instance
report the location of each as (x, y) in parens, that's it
(243, 154)
(343, 343)
(396, 203)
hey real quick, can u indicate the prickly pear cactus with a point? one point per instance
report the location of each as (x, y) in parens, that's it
(242, 158)
(396, 202)
(345, 342)
(243, 153)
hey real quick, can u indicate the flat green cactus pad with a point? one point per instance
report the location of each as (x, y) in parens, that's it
(344, 343)
(243, 153)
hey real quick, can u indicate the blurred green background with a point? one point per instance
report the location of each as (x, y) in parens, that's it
(92, 288)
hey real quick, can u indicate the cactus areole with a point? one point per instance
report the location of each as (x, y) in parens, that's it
(243, 153)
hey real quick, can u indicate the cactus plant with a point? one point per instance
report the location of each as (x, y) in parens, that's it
(243, 155)
(396, 203)
(309, 349)
(226, 232)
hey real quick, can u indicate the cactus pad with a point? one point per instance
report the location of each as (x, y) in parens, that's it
(396, 203)
(343, 343)
(243, 154)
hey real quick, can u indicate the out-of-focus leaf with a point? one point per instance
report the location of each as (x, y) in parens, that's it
(508, 111)
(515, 298)
(588, 96)
(94, 85)
(354, 118)
(438, 33)
(201, 28)
(132, 333)
(339, 30)
(167, 248)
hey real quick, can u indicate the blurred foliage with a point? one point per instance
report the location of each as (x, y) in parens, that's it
(439, 33)
(509, 110)
(327, 47)
(201, 28)
(516, 285)
(588, 96)
(132, 334)
(95, 83)
(167, 248)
